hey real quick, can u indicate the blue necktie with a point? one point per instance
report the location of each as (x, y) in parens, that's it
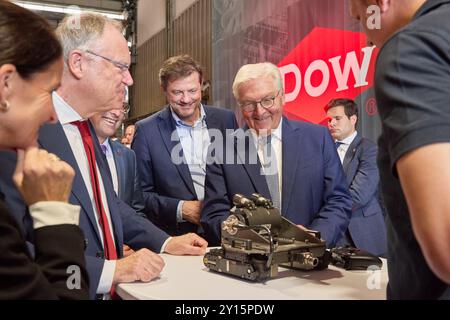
(104, 148)
(338, 144)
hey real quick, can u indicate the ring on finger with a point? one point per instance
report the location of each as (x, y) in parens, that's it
(54, 157)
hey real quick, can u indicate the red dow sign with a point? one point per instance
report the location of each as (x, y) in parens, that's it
(326, 64)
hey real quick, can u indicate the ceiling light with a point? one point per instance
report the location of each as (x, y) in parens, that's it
(66, 9)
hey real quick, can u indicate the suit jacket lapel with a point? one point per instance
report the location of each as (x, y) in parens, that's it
(120, 165)
(53, 139)
(291, 142)
(167, 127)
(351, 151)
(211, 120)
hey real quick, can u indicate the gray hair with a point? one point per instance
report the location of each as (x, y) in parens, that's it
(254, 71)
(79, 31)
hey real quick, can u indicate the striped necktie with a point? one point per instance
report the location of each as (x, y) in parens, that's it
(270, 167)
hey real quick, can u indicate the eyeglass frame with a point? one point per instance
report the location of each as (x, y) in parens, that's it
(126, 108)
(254, 104)
(122, 66)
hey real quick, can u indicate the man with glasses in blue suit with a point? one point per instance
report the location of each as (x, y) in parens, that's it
(95, 76)
(295, 164)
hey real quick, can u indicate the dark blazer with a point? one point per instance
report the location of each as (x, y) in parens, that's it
(314, 190)
(129, 185)
(57, 248)
(128, 226)
(9, 194)
(164, 183)
(367, 228)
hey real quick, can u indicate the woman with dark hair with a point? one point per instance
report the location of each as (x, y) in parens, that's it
(30, 69)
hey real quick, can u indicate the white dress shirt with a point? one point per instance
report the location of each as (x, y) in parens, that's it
(345, 144)
(50, 213)
(66, 115)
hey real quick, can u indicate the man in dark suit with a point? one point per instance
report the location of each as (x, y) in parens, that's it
(171, 148)
(94, 79)
(411, 88)
(120, 159)
(358, 156)
(129, 184)
(292, 163)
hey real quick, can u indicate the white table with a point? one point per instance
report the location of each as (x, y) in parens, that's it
(186, 278)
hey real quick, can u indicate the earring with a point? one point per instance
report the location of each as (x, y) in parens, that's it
(5, 105)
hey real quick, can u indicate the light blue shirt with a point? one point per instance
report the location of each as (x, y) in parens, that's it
(195, 141)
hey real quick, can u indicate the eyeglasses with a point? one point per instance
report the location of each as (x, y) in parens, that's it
(266, 103)
(122, 66)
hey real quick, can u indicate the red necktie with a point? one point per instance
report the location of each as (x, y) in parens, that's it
(109, 247)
